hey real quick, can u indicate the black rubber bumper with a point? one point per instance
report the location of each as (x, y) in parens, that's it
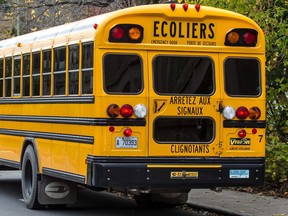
(174, 173)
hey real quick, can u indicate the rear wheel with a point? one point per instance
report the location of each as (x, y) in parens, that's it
(143, 200)
(160, 200)
(29, 181)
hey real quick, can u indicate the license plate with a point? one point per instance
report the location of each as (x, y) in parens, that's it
(240, 174)
(127, 142)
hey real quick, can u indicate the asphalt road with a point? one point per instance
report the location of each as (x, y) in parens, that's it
(88, 203)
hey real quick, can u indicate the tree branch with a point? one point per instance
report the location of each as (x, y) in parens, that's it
(67, 2)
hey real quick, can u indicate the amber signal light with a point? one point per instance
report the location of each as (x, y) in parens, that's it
(134, 33)
(241, 37)
(113, 110)
(254, 113)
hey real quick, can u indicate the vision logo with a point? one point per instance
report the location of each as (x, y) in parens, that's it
(57, 190)
(239, 141)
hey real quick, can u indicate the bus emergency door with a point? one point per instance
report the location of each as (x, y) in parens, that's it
(184, 117)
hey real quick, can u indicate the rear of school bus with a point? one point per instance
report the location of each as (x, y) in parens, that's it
(184, 96)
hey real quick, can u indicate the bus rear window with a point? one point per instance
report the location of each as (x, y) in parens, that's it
(183, 75)
(122, 74)
(242, 77)
(183, 130)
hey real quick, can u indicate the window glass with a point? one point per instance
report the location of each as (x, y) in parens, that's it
(183, 130)
(1, 77)
(242, 77)
(26, 75)
(183, 75)
(36, 74)
(16, 75)
(8, 72)
(87, 68)
(1, 68)
(46, 73)
(73, 69)
(122, 73)
(26, 64)
(59, 71)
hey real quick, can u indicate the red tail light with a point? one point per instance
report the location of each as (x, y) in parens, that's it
(117, 33)
(242, 133)
(242, 112)
(128, 132)
(249, 38)
(126, 111)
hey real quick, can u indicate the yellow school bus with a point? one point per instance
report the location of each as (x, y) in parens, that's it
(152, 101)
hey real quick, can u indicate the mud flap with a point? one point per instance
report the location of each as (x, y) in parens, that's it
(53, 191)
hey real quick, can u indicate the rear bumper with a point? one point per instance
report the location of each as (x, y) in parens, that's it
(174, 173)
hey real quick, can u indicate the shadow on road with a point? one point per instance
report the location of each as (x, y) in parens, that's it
(88, 203)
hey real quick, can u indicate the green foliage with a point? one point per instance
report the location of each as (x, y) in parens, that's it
(277, 156)
(277, 110)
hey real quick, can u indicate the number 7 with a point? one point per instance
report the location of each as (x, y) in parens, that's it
(260, 138)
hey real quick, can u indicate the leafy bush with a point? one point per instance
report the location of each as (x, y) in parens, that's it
(277, 160)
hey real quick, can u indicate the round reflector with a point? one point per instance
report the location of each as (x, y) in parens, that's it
(128, 132)
(242, 133)
(242, 112)
(228, 112)
(140, 111)
(117, 33)
(254, 130)
(126, 110)
(254, 113)
(111, 128)
(249, 38)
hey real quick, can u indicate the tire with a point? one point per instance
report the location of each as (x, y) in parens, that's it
(29, 181)
(143, 201)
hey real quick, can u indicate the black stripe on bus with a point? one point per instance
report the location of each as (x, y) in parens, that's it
(75, 120)
(9, 163)
(243, 124)
(49, 100)
(50, 136)
(63, 175)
